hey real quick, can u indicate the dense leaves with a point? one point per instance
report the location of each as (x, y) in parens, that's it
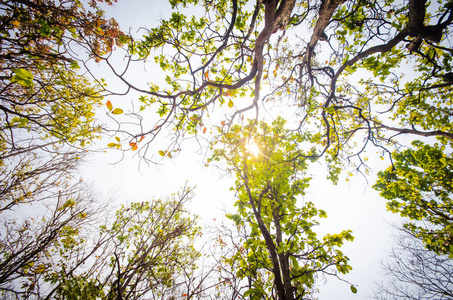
(419, 186)
(281, 253)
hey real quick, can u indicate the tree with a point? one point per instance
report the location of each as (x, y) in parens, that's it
(413, 272)
(30, 245)
(306, 55)
(46, 121)
(152, 249)
(418, 186)
(46, 107)
(44, 101)
(278, 253)
(146, 250)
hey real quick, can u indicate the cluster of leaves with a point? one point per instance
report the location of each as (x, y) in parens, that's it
(281, 253)
(41, 91)
(419, 186)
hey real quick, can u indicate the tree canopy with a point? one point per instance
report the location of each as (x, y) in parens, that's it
(281, 254)
(308, 55)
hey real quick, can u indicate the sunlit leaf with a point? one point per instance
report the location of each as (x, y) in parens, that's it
(117, 111)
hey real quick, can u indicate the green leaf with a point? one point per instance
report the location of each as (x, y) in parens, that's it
(253, 291)
(23, 77)
(117, 111)
(75, 65)
(353, 289)
(45, 28)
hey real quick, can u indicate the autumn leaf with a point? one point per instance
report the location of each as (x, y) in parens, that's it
(41, 268)
(161, 153)
(134, 148)
(223, 123)
(111, 145)
(117, 111)
(204, 130)
(142, 138)
(109, 105)
(230, 103)
(132, 144)
(15, 23)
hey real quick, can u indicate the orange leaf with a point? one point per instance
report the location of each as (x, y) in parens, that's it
(134, 148)
(223, 123)
(109, 105)
(132, 144)
(204, 130)
(142, 138)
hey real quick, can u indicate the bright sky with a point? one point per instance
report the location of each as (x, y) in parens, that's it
(352, 205)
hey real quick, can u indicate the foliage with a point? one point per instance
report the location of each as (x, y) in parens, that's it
(146, 250)
(419, 186)
(353, 73)
(280, 254)
(152, 248)
(30, 245)
(43, 96)
(413, 272)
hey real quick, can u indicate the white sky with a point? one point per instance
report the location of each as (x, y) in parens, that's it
(352, 205)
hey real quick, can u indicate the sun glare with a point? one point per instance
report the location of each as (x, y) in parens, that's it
(252, 148)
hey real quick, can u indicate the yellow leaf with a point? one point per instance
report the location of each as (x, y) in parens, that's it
(230, 103)
(117, 111)
(15, 23)
(41, 268)
(161, 153)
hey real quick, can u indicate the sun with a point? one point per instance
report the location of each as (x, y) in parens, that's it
(252, 147)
